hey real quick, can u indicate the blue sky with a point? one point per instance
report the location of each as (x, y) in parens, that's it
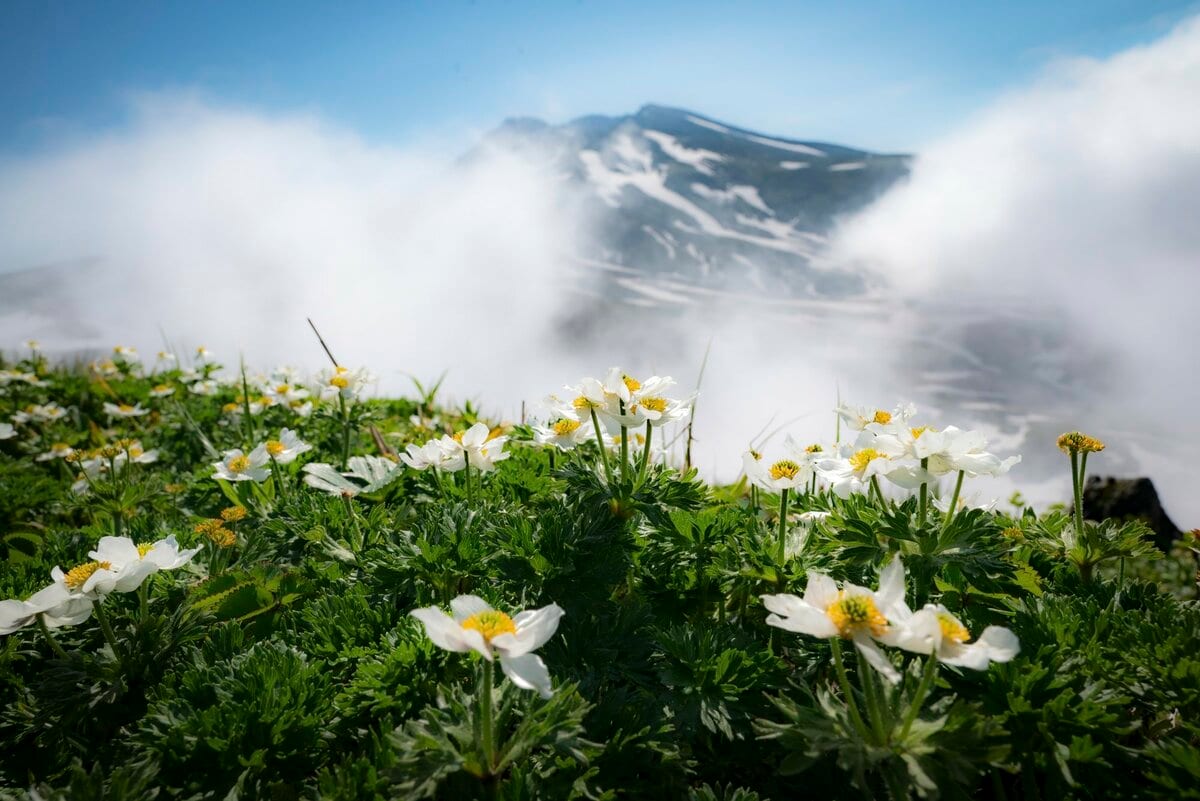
(884, 75)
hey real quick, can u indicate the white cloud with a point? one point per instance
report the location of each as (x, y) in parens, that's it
(1079, 192)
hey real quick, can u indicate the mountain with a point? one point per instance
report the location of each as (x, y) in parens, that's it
(675, 196)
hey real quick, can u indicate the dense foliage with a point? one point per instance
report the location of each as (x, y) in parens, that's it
(281, 661)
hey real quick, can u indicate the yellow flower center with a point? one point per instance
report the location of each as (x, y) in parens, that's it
(490, 624)
(339, 381)
(275, 447)
(135, 451)
(1078, 442)
(655, 404)
(457, 437)
(565, 426)
(77, 576)
(230, 408)
(918, 431)
(283, 389)
(239, 464)
(59, 447)
(952, 629)
(784, 468)
(882, 417)
(495, 432)
(860, 460)
(233, 514)
(856, 612)
(125, 407)
(582, 402)
(161, 388)
(144, 548)
(814, 448)
(631, 383)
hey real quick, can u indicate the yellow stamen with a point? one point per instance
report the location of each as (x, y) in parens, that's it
(282, 389)
(631, 383)
(655, 404)
(918, 431)
(860, 460)
(1078, 442)
(952, 629)
(784, 468)
(856, 612)
(233, 514)
(275, 447)
(583, 403)
(814, 448)
(495, 432)
(144, 548)
(565, 426)
(231, 408)
(239, 464)
(125, 407)
(490, 624)
(755, 455)
(77, 576)
(882, 417)
(339, 381)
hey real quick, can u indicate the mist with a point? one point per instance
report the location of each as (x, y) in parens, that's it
(1033, 275)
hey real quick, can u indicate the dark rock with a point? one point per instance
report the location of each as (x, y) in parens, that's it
(1129, 498)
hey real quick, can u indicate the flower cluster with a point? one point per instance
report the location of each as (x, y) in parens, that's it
(118, 564)
(867, 617)
(479, 447)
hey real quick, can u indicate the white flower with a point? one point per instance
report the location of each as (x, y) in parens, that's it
(33, 345)
(953, 449)
(55, 603)
(442, 453)
(857, 418)
(971, 501)
(788, 473)
(164, 358)
(482, 447)
(205, 386)
(162, 391)
(374, 472)
(93, 579)
(934, 630)
(49, 412)
(476, 626)
(872, 454)
(124, 410)
(853, 613)
(285, 449)
(132, 451)
(133, 563)
(343, 382)
(7, 431)
(59, 450)
(301, 408)
(203, 355)
(285, 392)
(238, 466)
(125, 353)
(565, 433)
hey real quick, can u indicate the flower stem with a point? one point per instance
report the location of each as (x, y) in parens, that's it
(278, 471)
(54, 646)
(953, 501)
(927, 679)
(603, 450)
(877, 490)
(847, 690)
(783, 511)
(349, 502)
(106, 628)
(874, 711)
(467, 481)
(485, 710)
(1078, 466)
(923, 509)
(345, 430)
(143, 599)
(645, 453)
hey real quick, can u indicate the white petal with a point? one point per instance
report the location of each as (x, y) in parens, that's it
(534, 628)
(1002, 645)
(465, 606)
(441, 629)
(821, 590)
(891, 583)
(876, 658)
(116, 550)
(973, 656)
(14, 615)
(808, 620)
(527, 672)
